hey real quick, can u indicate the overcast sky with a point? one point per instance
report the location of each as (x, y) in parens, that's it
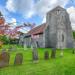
(34, 11)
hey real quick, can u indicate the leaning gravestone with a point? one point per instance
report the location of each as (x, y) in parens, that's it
(46, 55)
(34, 50)
(18, 59)
(53, 53)
(4, 59)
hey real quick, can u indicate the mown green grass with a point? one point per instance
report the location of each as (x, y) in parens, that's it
(59, 66)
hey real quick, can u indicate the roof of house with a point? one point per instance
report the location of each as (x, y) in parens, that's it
(37, 30)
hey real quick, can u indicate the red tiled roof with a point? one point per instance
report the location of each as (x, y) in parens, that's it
(37, 30)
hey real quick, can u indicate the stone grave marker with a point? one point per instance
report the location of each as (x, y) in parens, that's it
(18, 59)
(53, 53)
(3, 50)
(4, 59)
(10, 48)
(35, 55)
(34, 51)
(46, 55)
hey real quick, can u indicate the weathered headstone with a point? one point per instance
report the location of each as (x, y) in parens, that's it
(10, 48)
(46, 55)
(34, 50)
(53, 53)
(35, 55)
(3, 50)
(18, 59)
(14, 48)
(4, 59)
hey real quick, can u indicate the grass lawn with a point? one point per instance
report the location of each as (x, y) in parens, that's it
(59, 66)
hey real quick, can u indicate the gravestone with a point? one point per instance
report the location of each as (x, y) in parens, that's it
(18, 59)
(35, 55)
(4, 59)
(3, 50)
(10, 48)
(53, 53)
(46, 55)
(14, 48)
(34, 50)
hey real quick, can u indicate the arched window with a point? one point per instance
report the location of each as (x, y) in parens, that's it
(58, 11)
(62, 38)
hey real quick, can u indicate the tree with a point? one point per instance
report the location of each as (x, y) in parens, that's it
(4, 39)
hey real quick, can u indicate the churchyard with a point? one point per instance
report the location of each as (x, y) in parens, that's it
(47, 49)
(46, 65)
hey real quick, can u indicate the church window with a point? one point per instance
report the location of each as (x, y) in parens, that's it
(58, 11)
(62, 38)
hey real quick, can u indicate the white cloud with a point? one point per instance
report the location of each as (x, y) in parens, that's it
(28, 8)
(13, 21)
(44, 20)
(24, 7)
(29, 15)
(71, 11)
(43, 6)
(3, 11)
(10, 5)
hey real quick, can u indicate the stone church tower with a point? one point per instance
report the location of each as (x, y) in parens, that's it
(58, 33)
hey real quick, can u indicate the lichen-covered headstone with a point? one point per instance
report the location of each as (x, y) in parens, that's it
(46, 55)
(34, 50)
(18, 59)
(53, 53)
(4, 59)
